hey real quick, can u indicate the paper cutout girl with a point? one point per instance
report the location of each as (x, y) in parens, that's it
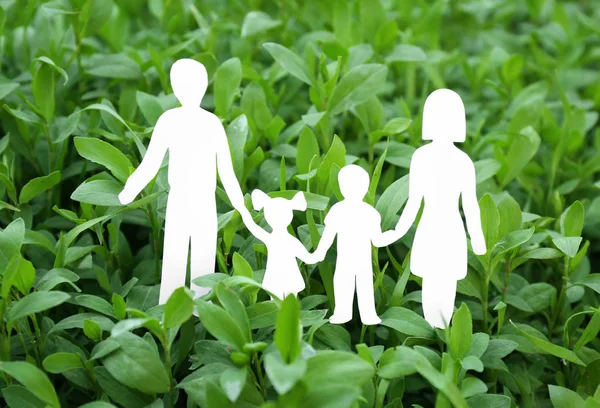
(198, 147)
(357, 225)
(282, 274)
(440, 174)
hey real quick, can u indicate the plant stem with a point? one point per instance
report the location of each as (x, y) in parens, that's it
(485, 295)
(167, 349)
(506, 278)
(561, 297)
(261, 377)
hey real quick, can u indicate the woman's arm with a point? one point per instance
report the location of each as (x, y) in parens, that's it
(471, 209)
(415, 195)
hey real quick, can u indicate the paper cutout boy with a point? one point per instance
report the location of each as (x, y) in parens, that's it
(357, 225)
(282, 274)
(440, 174)
(197, 146)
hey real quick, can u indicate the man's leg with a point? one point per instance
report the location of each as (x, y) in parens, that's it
(343, 292)
(204, 251)
(366, 296)
(175, 254)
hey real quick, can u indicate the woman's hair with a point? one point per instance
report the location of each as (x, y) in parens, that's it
(444, 116)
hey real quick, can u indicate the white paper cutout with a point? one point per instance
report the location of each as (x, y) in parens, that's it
(440, 174)
(198, 147)
(357, 225)
(282, 274)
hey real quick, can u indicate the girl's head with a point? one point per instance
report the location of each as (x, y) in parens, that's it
(278, 211)
(444, 117)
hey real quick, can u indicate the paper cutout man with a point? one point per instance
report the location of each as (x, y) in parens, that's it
(357, 226)
(282, 275)
(440, 173)
(197, 146)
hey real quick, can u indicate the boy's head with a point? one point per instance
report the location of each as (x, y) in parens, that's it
(354, 182)
(278, 211)
(189, 81)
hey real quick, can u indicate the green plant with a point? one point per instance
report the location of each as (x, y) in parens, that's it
(303, 88)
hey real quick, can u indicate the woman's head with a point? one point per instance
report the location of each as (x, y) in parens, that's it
(444, 117)
(278, 211)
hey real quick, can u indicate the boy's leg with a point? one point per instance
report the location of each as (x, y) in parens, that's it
(366, 296)
(343, 291)
(175, 253)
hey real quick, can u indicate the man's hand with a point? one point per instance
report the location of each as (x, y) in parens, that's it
(478, 246)
(126, 196)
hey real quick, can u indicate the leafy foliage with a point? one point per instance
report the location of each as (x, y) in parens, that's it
(303, 88)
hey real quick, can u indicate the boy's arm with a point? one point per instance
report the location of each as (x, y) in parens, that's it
(379, 238)
(150, 164)
(324, 244)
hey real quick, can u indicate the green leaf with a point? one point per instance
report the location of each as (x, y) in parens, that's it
(489, 401)
(98, 192)
(257, 22)
(291, 62)
(7, 87)
(335, 155)
(390, 202)
(149, 106)
(49, 62)
(550, 348)
(512, 240)
(538, 295)
(92, 330)
(227, 82)
(337, 367)
(237, 133)
(288, 331)
(234, 306)
(19, 397)
(33, 379)
(37, 186)
(179, 308)
(36, 302)
(571, 221)
(137, 364)
(592, 281)
(221, 324)
(241, 267)
(113, 66)
(105, 154)
(232, 382)
(11, 240)
(564, 398)
(60, 362)
(568, 245)
(284, 376)
(461, 333)
(307, 148)
(510, 215)
(407, 322)
(43, 85)
(490, 220)
(406, 53)
(522, 149)
(358, 85)
(19, 273)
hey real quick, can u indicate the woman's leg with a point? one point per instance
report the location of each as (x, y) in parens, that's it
(438, 301)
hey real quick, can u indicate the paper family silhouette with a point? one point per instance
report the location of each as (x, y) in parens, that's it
(439, 175)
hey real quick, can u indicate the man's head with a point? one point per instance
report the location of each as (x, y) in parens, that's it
(354, 182)
(189, 81)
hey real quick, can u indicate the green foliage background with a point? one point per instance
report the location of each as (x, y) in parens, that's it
(303, 87)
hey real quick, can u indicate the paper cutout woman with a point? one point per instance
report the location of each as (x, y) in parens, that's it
(440, 173)
(282, 275)
(197, 146)
(357, 226)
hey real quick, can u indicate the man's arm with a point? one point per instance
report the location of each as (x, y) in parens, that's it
(225, 169)
(150, 163)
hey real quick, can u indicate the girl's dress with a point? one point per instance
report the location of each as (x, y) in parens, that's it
(282, 274)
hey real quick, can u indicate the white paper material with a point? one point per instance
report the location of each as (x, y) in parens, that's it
(440, 174)
(357, 225)
(198, 147)
(282, 274)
